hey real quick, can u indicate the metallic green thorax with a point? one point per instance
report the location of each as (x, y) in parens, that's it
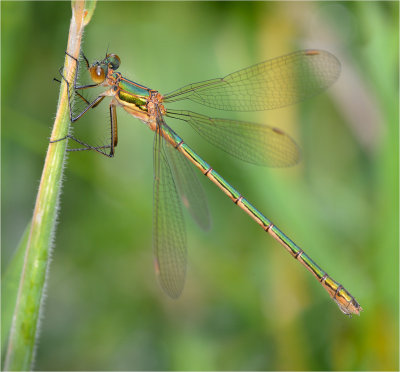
(131, 92)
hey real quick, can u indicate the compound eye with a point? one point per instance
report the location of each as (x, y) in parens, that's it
(98, 74)
(114, 61)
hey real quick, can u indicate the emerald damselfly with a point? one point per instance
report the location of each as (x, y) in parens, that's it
(268, 85)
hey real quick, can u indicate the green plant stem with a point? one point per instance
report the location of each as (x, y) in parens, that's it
(24, 327)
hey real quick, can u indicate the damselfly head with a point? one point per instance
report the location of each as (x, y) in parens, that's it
(99, 69)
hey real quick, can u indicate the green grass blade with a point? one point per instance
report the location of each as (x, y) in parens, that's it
(24, 328)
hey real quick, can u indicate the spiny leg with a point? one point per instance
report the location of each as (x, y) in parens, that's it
(89, 105)
(113, 128)
(87, 146)
(76, 87)
(113, 140)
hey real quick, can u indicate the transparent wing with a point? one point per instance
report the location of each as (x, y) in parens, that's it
(268, 85)
(254, 143)
(169, 236)
(189, 186)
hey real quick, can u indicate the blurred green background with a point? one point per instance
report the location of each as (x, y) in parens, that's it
(247, 304)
